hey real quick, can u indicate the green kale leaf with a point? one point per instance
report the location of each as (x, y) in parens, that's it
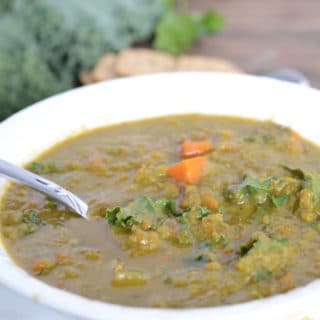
(44, 44)
(176, 31)
(31, 217)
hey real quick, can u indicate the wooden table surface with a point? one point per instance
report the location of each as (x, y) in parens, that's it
(264, 35)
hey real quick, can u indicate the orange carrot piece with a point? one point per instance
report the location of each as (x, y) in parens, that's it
(145, 225)
(287, 281)
(59, 284)
(41, 264)
(187, 171)
(210, 203)
(60, 256)
(195, 148)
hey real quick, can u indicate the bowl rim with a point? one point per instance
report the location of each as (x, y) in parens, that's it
(80, 306)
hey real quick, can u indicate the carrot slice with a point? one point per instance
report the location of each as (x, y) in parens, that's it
(60, 256)
(195, 148)
(187, 171)
(41, 264)
(209, 202)
(287, 281)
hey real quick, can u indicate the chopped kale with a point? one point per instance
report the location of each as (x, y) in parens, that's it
(280, 200)
(262, 193)
(52, 205)
(249, 187)
(203, 253)
(45, 167)
(259, 137)
(207, 244)
(203, 212)
(246, 247)
(155, 211)
(223, 239)
(168, 206)
(36, 167)
(31, 217)
(283, 240)
(297, 172)
(263, 246)
(205, 257)
(309, 181)
(184, 218)
(135, 211)
(121, 218)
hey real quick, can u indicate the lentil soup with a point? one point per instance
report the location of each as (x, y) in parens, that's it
(186, 211)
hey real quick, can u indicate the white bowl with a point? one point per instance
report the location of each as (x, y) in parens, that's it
(36, 128)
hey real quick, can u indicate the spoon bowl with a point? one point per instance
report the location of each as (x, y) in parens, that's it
(73, 202)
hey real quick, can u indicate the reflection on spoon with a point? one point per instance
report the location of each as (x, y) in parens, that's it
(45, 186)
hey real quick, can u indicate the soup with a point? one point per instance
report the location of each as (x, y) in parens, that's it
(185, 211)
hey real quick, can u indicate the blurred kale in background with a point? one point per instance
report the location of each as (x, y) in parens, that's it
(45, 43)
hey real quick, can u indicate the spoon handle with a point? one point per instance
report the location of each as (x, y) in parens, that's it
(45, 186)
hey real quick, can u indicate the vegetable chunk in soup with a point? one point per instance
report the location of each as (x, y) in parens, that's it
(186, 211)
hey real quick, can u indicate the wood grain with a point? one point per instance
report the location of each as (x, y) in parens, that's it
(261, 36)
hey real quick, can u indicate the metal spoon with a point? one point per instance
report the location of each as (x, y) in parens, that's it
(45, 186)
(289, 75)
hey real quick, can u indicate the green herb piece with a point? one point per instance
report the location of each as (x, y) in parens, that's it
(155, 212)
(202, 212)
(262, 245)
(43, 272)
(223, 239)
(222, 210)
(205, 257)
(184, 218)
(121, 218)
(168, 206)
(262, 274)
(263, 193)
(36, 167)
(133, 214)
(280, 200)
(308, 180)
(246, 247)
(250, 187)
(204, 253)
(176, 31)
(296, 172)
(312, 182)
(52, 205)
(111, 215)
(283, 240)
(31, 217)
(45, 167)
(209, 244)
(259, 137)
